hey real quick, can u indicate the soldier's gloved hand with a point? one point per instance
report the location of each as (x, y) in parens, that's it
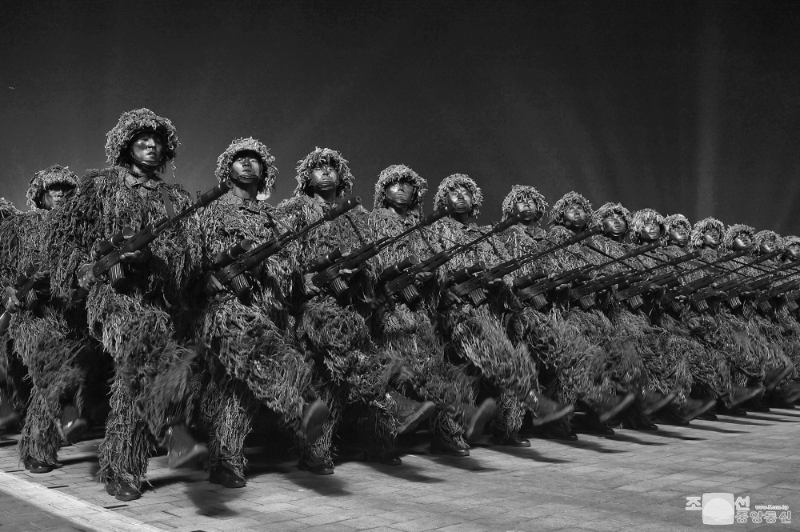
(86, 278)
(310, 288)
(213, 286)
(348, 273)
(424, 277)
(10, 301)
(498, 281)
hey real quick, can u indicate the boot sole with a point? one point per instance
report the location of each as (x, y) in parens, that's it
(484, 413)
(782, 375)
(746, 397)
(555, 416)
(618, 408)
(661, 404)
(425, 412)
(77, 429)
(199, 452)
(700, 411)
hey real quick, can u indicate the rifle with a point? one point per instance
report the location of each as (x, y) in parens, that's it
(109, 252)
(236, 261)
(404, 286)
(732, 289)
(698, 284)
(474, 287)
(327, 269)
(763, 300)
(25, 294)
(633, 294)
(585, 294)
(535, 293)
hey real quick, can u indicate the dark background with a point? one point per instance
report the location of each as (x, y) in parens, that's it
(685, 107)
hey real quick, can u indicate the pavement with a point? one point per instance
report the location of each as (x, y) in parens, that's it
(632, 481)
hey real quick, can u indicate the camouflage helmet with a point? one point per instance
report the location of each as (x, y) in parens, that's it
(130, 124)
(643, 217)
(44, 179)
(734, 231)
(700, 228)
(395, 174)
(520, 194)
(458, 180)
(319, 156)
(559, 210)
(269, 172)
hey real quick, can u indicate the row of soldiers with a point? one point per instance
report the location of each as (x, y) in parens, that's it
(353, 326)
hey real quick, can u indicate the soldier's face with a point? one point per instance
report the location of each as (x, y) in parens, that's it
(711, 238)
(247, 167)
(147, 149)
(650, 232)
(459, 199)
(767, 246)
(324, 177)
(528, 212)
(400, 194)
(575, 217)
(678, 236)
(793, 252)
(742, 241)
(55, 195)
(614, 225)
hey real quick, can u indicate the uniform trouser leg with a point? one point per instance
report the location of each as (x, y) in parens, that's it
(50, 357)
(151, 387)
(228, 411)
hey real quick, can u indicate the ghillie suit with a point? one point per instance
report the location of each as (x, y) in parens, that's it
(560, 349)
(13, 392)
(477, 336)
(408, 335)
(786, 314)
(710, 374)
(250, 356)
(334, 333)
(40, 334)
(760, 338)
(137, 321)
(663, 366)
(597, 360)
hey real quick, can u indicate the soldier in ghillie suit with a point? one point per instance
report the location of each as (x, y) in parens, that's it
(555, 346)
(476, 336)
(251, 359)
(788, 392)
(333, 330)
(11, 370)
(710, 376)
(606, 370)
(765, 336)
(39, 331)
(720, 330)
(408, 335)
(136, 318)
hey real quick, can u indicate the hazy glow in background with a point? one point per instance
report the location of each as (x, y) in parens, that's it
(679, 106)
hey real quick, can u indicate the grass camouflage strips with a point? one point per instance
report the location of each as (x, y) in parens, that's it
(407, 337)
(477, 336)
(334, 334)
(39, 337)
(250, 360)
(137, 323)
